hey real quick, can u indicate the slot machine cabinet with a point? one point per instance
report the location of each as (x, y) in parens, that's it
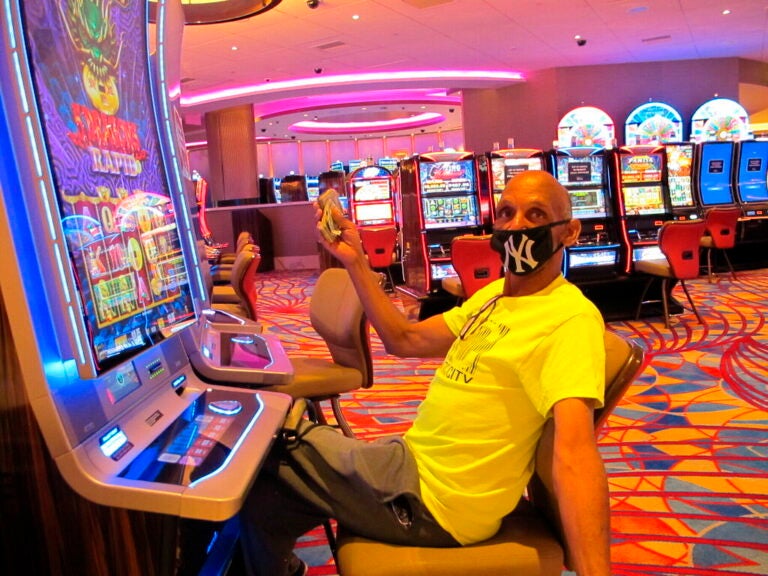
(644, 205)
(678, 179)
(440, 200)
(750, 183)
(371, 193)
(599, 253)
(101, 281)
(336, 180)
(498, 167)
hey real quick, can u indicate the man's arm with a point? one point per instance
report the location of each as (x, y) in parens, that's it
(581, 488)
(426, 339)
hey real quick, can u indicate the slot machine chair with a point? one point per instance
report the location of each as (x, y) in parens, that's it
(240, 296)
(679, 242)
(337, 315)
(720, 234)
(530, 541)
(379, 244)
(221, 270)
(476, 265)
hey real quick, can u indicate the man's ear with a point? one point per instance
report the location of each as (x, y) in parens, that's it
(574, 231)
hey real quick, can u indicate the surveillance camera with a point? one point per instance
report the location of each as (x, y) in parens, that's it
(581, 41)
(313, 3)
(318, 70)
(263, 129)
(450, 110)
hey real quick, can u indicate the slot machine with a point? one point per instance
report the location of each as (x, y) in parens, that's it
(750, 183)
(637, 173)
(751, 177)
(498, 167)
(101, 277)
(712, 166)
(372, 196)
(313, 188)
(679, 180)
(440, 200)
(599, 253)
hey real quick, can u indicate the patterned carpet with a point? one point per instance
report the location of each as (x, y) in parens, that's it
(686, 450)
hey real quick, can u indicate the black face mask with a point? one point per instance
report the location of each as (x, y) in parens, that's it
(523, 251)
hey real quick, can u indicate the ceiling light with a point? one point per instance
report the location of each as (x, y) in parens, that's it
(726, 12)
(355, 16)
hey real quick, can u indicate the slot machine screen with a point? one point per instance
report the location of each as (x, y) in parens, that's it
(450, 212)
(580, 171)
(640, 200)
(313, 188)
(715, 173)
(113, 200)
(588, 203)
(450, 177)
(679, 160)
(372, 214)
(368, 190)
(504, 169)
(388, 163)
(637, 168)
(752, 178)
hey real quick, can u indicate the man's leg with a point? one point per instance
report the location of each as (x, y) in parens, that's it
(371, 488)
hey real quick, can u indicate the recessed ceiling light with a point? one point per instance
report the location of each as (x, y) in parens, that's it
(355, 16)
(726, 12)
(234, 48)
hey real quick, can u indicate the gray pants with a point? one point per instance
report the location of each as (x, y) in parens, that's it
(370, 488)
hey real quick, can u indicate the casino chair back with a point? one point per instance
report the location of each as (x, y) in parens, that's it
(721, 222)
(476, 265)
(679, 242)
(379, 244)
(337, 315)
(530, 541)
(239, 296)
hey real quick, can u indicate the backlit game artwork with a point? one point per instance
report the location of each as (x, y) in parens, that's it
(653, 123)
(720, 120)
(92, 81)
(586, 126)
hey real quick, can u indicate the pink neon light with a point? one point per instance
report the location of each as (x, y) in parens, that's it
(342, 79)
(313, 127)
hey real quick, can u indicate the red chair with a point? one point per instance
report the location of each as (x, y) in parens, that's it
(679, 242)
(476, 265)
(379, 243)
(721, 225)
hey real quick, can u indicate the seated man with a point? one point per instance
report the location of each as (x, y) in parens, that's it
(523, 349)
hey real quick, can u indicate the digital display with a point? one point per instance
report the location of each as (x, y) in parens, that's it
(679, 182)
(116, 210)
(580, 171)
(367, 190)
(639, 200)
(442, 270)
(585, 258)
(448, 177)
(752, 183)
(313, 188)
(504, 169)
(588, 203)
(715, 173)
(450, 212)
(388, 163)
(375, 213)
(640, 168)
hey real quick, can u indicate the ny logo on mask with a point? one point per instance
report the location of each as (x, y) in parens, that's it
(520, 253)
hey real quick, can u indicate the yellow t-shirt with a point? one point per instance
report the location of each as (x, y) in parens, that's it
(475, 434)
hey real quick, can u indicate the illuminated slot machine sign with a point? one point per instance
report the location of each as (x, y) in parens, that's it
(680, 180)
(108, 250)
(720, 120)
(751, 177)
(371, 196)
(586, 126)
(390, 164)
(653, 123)
(313, 188)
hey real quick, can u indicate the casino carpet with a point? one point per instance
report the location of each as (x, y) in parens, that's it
(686, 450)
